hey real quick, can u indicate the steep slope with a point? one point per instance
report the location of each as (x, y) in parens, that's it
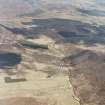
(87, 77)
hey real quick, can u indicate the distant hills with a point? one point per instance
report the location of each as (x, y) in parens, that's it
(12, 8)
(16, 7)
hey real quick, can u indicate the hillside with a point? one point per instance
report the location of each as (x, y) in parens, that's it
(52, 52)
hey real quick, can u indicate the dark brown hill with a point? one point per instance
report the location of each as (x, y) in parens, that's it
(88, 77)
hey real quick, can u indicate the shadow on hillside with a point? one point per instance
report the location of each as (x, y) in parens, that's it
(93, 12)
(8, 60)
(63, 29)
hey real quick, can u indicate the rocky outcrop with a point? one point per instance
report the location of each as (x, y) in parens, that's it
(87, 77)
